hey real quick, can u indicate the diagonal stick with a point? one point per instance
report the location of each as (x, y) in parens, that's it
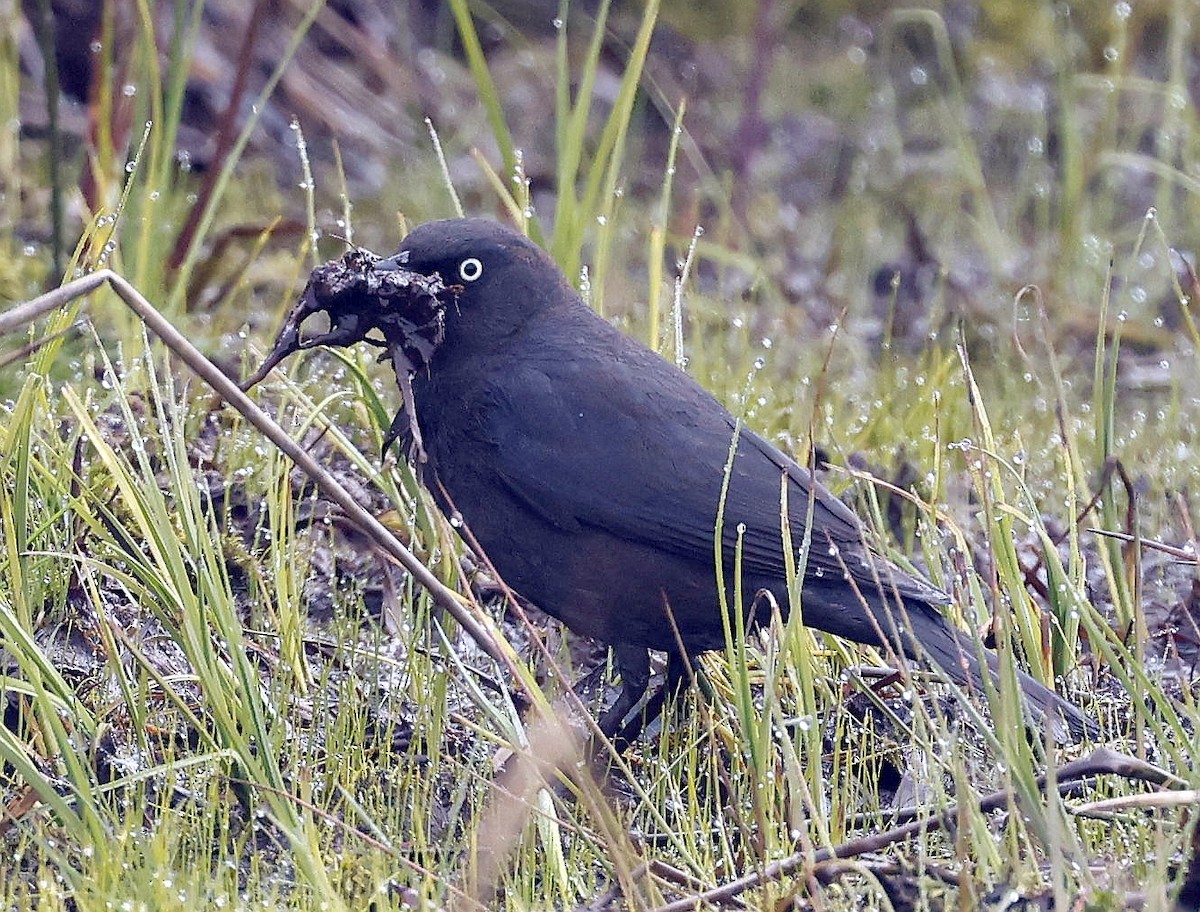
(13, 319)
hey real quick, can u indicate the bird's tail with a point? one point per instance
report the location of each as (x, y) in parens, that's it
(958, 657)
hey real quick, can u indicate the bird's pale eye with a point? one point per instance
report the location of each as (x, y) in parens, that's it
(470, 269)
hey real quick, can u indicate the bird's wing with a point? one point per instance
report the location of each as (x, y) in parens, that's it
(838, 544)
(640, 451)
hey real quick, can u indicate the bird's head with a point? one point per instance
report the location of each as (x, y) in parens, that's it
(497, 279)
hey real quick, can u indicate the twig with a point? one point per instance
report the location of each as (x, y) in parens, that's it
(46, 35)
(1103, 760)
(226, 133)
(19, 316)
(661, 870)
(1106, 807)
(1188, 555)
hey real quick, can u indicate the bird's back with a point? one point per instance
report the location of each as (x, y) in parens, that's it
(591, 471)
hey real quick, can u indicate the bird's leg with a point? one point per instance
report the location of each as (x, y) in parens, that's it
(634, 664)
(676, 680)
(677, 673)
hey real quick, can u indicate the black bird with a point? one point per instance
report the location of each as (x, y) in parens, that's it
(590, 471)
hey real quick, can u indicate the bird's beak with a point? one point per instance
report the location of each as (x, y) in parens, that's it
(398, 260)
(362, 293)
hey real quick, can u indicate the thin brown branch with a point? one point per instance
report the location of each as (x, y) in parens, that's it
(226, 133)
(1102, 761)
(1183, 554)
(15, 318)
